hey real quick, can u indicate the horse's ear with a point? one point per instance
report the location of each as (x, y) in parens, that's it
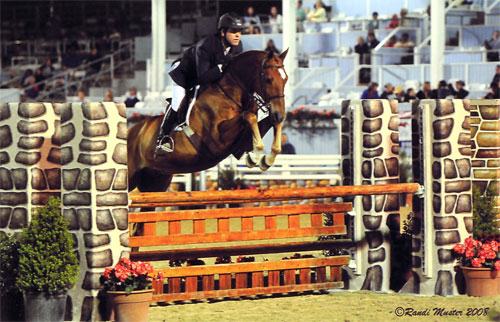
(283, 54)
(270, 54)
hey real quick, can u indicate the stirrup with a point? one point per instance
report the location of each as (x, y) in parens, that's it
(167, 146)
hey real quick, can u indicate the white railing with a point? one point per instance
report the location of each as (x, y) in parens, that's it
(287, 167)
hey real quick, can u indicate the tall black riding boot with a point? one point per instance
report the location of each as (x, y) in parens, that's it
(164, 142)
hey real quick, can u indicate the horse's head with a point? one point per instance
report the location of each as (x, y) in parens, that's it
(271, 86)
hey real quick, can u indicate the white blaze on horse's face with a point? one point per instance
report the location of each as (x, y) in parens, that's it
(282, 73)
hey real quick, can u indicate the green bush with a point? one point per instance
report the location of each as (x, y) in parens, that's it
(9, 261)
(484, 217)
(47, 262)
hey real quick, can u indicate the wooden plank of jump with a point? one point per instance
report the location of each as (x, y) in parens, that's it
(192, 214)
(162, 199)
(268, 248)
(255, 266)
(228, 236)
(245, 292)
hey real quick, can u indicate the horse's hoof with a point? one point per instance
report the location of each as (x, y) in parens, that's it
(263, 165)
(251, 160)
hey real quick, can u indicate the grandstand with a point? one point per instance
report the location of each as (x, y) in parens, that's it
(50, 50)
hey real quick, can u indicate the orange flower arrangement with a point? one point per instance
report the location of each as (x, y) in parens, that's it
(127, 276)
(475, 253)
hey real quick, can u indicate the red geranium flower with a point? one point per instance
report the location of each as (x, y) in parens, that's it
(476, 262)
(459, 249)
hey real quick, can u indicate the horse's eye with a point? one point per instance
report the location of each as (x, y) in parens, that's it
(269, 80)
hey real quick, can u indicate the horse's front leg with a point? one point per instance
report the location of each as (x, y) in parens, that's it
(268, 160)
(254, 156)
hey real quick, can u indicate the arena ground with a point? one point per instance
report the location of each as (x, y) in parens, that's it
(336, 306)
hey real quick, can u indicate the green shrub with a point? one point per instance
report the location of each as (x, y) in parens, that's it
(9, 261)
(484, 217)
(47, 262)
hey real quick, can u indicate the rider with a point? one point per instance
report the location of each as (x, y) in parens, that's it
(201, 64)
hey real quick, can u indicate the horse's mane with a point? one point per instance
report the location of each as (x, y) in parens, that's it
(247, 56)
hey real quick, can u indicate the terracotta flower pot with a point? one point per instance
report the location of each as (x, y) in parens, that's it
(481, 281)
(132, 307)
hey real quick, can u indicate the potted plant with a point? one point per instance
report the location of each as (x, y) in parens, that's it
(480, 264)
(128, 286)
(11, 298)
(48, 266)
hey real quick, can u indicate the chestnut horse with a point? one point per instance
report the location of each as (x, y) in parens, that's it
(218, 120)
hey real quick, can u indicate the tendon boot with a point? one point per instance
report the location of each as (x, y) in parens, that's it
(165, 143)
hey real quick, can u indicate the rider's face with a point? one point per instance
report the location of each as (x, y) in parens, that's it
(233, 37)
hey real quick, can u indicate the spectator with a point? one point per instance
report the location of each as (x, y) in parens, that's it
(400, 93)
(47, 68)
(131, 99)
(425, 92)
(256, 30)
(374, 24)
(459, 91)
(271, 47)
(72, 59)
(286, 147)
(403, 20)
(388, 92)
(94, 58)
(251, 20)
(410, 95)
(496, 78)
(371, 92)
(363, 51)
(81, 96)
(108, 96)
(404, 42)
(493, 45)
(318, 14)
(371, 40)
(442, 91)
(301, 16)
(394, 23)
(391, 42)
(29, 81)
(494, 92)
(275, 20)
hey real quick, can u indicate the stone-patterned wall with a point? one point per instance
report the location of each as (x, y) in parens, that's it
(77, 152)
(29, 161)
(375, 123)
(441, 163)
(485, 135)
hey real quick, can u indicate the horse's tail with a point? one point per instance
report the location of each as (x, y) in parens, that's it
(139, 140)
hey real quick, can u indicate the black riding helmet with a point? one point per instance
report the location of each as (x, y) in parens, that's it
(230, 21)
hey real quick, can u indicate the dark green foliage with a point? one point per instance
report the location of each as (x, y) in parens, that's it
(11, 296)
(47, 262)
(484, 217)
(9, 261)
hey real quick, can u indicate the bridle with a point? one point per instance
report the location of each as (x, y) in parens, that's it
(263, 100)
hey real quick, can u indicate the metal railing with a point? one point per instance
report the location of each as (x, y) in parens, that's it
(60, 83)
